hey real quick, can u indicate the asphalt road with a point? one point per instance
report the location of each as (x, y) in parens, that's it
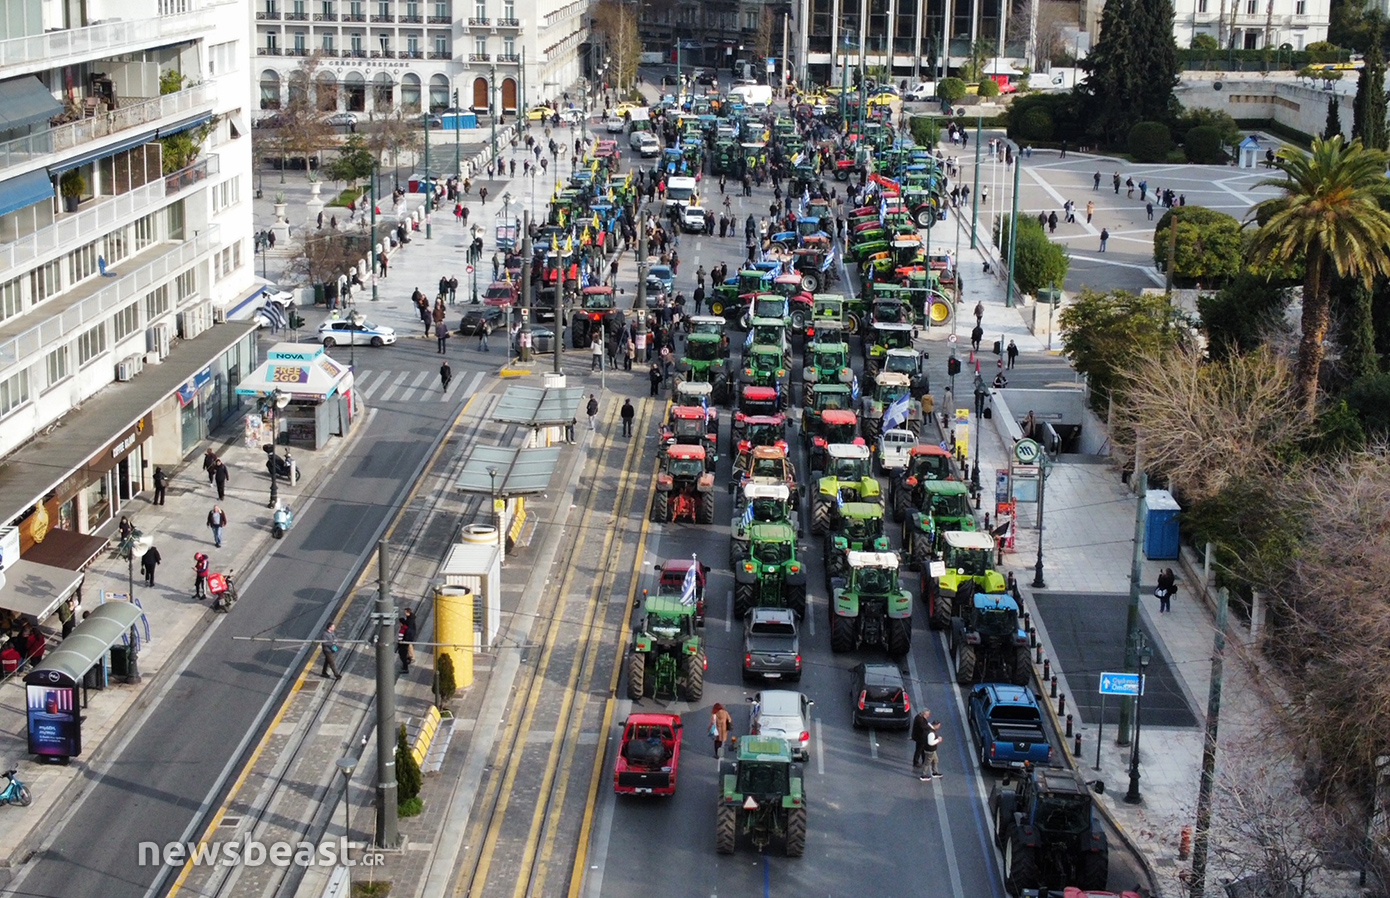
(157, 786)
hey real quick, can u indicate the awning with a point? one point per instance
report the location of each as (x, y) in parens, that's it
(302, 370)
(135, 140)
(24, 191)
(90, 640)
(192, 121)
(36, 590)
(25, 101)
(68, 550)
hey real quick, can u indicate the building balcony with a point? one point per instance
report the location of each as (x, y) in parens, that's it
(437, 54)
(386, 18)
(478, 21)
(63, 139)
(354, 17)
(479, 57)
(354, 54)
(90, 302)
(508, 23)
(297, 51)
(269, 51)
(412, 54)
(267, 15)
(508, 57)
(439, 20)
(296, 17)
(23, 55)
(383, 54)
(411, 20)
(325, 17)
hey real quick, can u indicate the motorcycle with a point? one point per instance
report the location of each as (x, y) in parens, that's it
(225, 596)
(281, 520)
(15, 792)
(281, 467)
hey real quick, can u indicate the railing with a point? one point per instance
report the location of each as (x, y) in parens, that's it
(411, 20)
(100, 215)
(105, 39)
(354, 17)
(440, 54)
(508, 57)
(325, 17)
(412, 54)
(354, 54)
(479, 57)
(509, 23)
(129, 284)
(74, 134)
(383, 54)
(268, 51)
(481, 20)
(386, 18)
(193, 174)
(296, 17)
(267, 14)
(297, 51)
(439, 20)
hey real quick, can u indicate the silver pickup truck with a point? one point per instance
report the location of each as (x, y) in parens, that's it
(771, 647)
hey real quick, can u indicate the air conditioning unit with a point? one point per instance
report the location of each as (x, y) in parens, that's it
(126, 369)
(157, 343)
(219, 314)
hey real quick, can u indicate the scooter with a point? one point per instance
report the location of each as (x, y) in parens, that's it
(227, 597)
(281, 520)
(283, 467)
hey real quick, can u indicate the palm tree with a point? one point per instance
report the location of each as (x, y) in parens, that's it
(1332, 215)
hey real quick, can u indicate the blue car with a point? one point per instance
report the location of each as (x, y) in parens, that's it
(661, 277)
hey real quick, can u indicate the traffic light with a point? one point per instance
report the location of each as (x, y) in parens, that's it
(953, 366)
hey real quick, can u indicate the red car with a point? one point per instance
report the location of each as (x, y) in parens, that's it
(672, 582)
(650, 755)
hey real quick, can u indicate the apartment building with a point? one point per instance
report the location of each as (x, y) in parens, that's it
(125, 236)
(379, 55)
(714, 32)
(1252, 24)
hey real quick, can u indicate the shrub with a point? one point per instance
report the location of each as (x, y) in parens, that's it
(1202, 145)
(1038, 262)
(408, 777)
(1210, 246)
(445, 682)
(950, 89)
(1060, 117)
(1150, 142)
(1036, 125)
(1369, 397)
(925, 130)
(1221, 121)
(1204, 42)
(989, 88)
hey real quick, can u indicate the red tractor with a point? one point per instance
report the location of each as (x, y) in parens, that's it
(762, 430)
(689, 426)
(650, 755)
(684, 486)
(753, 402)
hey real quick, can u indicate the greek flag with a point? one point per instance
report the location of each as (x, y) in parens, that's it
(748, 513)
(688, 587)
(896, 413)
(274, 314)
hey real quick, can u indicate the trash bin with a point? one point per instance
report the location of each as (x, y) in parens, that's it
(1160, 526)
(120, 661)
(998, 348)
(318, 295)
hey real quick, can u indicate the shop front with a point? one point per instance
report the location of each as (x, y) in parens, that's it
(305, 397)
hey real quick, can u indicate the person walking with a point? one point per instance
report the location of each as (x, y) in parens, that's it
(161, 482)
(921, 726)
(446, 374)
(1104, 237)
(220, 476)
(441, 336)
(405, 635)
(977, 333)
(1095, 182)
(1149, 208)
(596, 354)
(627, 414)
(1090, 210)
(217, 519)
(1115, 180)
(67, 615)
(654, 374)
(148, 562)
(592, 411)
(200, 576)
(719, 722)
(979, 313)
(1167, 585)
(329, 643)
(209, 463)
(1012, 352)
(483, 331)
(1052, 222)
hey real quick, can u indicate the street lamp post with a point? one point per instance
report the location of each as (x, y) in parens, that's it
(355, 319)
(492, 109)
(371, 250)
(346, 766)
(506, 207)
(1145, 656)
(477, 260)
(1038, 582)
(458, 169)
(429, 184)
(496, 507)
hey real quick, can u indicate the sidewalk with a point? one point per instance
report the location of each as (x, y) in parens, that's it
(176, 619)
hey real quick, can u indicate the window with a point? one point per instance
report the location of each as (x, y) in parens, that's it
(480, 45)
(412, 45)
(228, 193)
(441, 9)
(82, 263)
(57, 365)
(750, 21)
(328, 44)
(113, 246)
(14, 392)
(223, 58)
(301, 42)
(383, 8)
(385, 41)
(144, 232)
(11, 300)
(327, 7)
(1201, 5)
(91, 344)
(480, 10)
(1300, 8)
(297, 7)
(509, 11)
(1252, 7)
(186, 285)
(157, 302)
(441, 46)
(509, 46)
(272, 42)
(356, 43)
(272, 7)
(44, 281)
(127, 321)
(412, 10)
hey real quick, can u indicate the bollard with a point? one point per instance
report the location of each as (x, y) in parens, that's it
(1033, 640)
(1053, 693)
(1185, 843)
(1062, 704)
(1069, 730)
(1038, 657)
(1077, 751)
(1027, 625)
(1047, 668)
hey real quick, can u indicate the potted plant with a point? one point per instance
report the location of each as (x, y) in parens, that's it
(72, 185)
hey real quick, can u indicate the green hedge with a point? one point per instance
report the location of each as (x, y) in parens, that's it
(1150, 142)
(1203, 146)
(1256, 60)
(926, 130)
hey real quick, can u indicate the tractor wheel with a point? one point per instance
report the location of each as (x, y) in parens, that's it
(725, 828)
(810, 281)
(1000, 821)
(796, 599)
(1095, 869)
(841, 174)
(965, 664)
(852, 323)
(924, 217)
(870, 368)
(661, 507)
(694, 676)
(899, 637)
(1020, 865)
(921, 551)
(579, 335)
(872, 427)
(720, 392)
(796, 832)
(717, 308)
(900, 504)
(1023, 666)
(841, 633)
(834, 564)
(915, 426)
(705, 513)
(743, 599)
(820, 516)
(636, 676)
(940, 612)
(799, 317)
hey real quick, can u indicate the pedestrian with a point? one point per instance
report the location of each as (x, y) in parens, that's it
(161, 481)
(405, 635)
(217, 519)
(627, 414)
(592, 411)
(483, 330)
(1012, 353)
(629, 353)
(453, 290)
(977, 333)
(200, 576)
(1129, 188)
(1149, 207)
(699, 295)
(1090, 210)
(1011, 587)
(1104, 236)
(446, 374)
(67, 615)
(596, 354)
(655, 376)
(1167, 585)
(329, 643)
(1095, 182)
(984, 195)
(209, 463)
(979, 312)
(1052, 223)
(1115, 180)
(482, 193)
(220, 476)
(496, 266)
(719, 723)
(925, 753)
(441, 336)
(148, 562)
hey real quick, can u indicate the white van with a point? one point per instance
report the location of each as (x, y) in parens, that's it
(680, 191)
(754, 94)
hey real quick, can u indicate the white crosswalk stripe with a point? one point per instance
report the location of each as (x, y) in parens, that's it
(413, 386)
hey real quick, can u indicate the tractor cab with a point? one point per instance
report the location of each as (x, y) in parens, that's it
(861, 524)
(763, 431)
(768, 332)
(769, 502)
(597, 301)
(671, 578)
(968, 554)
(705, 347)
(950, 501)
(848, 462)
(891, 311)
(681, 461)
(928, 462)
(772, 306)
(699, 395)
(688, 426)
(837, 426)
(827, 363)
(908, 363)
(883, 337)
(706, 324)
(757, 401)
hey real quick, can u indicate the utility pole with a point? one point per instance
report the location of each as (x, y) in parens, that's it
(429, 183)
(1013, 227)
(371, 251)
(1202, 837)
(494, 109)
(641, 340)
(526, 255)
(457, 169)
(1132, 627)
(384, 617)
(975, 191)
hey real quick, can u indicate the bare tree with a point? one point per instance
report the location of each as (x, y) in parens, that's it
(323, 256)
(303, 131)
(762, 41)
(616, 22)
(395, 133)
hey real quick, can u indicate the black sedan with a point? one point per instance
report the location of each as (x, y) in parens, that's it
(542, 340)
(474, 316)
(880, 697)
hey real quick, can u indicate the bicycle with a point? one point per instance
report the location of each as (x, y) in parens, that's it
(15, 792)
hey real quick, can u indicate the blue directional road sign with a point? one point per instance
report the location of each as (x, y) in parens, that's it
(1120, 684)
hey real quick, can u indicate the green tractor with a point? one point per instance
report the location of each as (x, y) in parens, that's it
(1049, 832)
(666, 658)
(881, 338)
(907, 489)
(820, 398)
(706, 360)
(871, 609)
(969, 561)
(946, 507)
(726, 299)
(758, 503)
(847, 478)
(765, 366)
(888, 389)
(988, 644)
(762, 797)
(826, 363)
(771, 576)
(859, 528)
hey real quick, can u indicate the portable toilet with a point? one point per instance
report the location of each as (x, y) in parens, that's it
(1160, 526)
(1249, 152)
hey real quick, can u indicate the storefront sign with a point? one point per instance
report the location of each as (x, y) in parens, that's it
(306, 354)
(289, 374)
(119, 448)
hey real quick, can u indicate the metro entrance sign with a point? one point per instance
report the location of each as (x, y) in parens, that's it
(1120, 684)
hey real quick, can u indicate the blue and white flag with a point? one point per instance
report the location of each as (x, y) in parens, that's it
(691, 578)
(748, 513)
(274, 315)
(896, 413)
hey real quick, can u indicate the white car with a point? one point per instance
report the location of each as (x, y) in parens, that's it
(783, 714)
(614, 125)
(693, 219)
(895, 448)
(921, 92)
(341, 119)
(648, 146)
(344, 332)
